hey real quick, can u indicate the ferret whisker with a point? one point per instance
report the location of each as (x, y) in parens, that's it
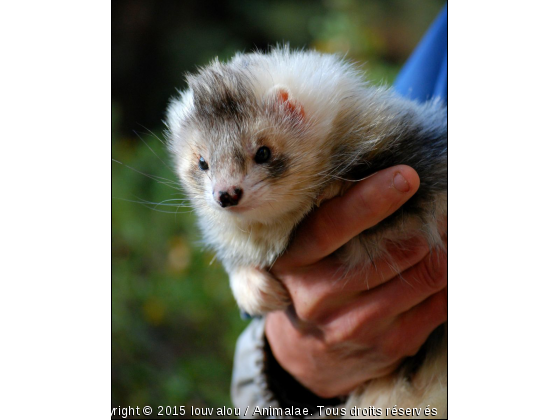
(147, 205)
(153, 134)
(152, 150)
(158, 179)
(141, 201)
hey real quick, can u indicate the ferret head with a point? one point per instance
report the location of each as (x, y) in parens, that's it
(241, 149)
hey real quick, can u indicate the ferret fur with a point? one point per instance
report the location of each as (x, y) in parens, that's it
(326, 128)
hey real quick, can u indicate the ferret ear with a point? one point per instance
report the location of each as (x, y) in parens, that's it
(178, 109)
(285, 101)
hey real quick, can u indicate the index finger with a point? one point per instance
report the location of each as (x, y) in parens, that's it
(342, 218)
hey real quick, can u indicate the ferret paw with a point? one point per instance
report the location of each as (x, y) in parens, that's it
(257, 291)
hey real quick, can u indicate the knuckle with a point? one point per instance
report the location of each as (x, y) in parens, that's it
(310, 297)
(375, 208)
(339, 334)
(308, 311)
(346, 331)
(409, 250)
(368, 204)
(362, 201)
(432, 271)
(335, 339)
(374, 313)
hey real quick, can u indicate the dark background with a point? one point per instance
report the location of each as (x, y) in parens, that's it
(174, 322)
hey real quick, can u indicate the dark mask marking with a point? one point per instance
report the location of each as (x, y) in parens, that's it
(277, 166)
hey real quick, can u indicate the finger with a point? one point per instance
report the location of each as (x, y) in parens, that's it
(303, 354)
(412, 329)
(327, 286)
(329, 276)
(372, 310)
(340, 219)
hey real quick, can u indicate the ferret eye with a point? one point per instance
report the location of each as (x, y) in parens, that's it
(263, 154)
(202, 164)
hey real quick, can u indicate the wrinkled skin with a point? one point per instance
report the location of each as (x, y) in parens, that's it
(338, 334)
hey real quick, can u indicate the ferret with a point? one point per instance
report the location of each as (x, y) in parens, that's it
(260, 141)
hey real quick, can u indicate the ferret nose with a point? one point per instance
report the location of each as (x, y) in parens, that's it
(231, 197)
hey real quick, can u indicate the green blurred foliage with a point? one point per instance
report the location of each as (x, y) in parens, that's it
(174, 321)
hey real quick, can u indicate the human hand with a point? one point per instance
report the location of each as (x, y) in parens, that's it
(338, 334)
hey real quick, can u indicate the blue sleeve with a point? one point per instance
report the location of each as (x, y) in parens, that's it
(424, 75)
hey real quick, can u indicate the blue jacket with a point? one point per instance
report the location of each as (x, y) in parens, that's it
(424, 75)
